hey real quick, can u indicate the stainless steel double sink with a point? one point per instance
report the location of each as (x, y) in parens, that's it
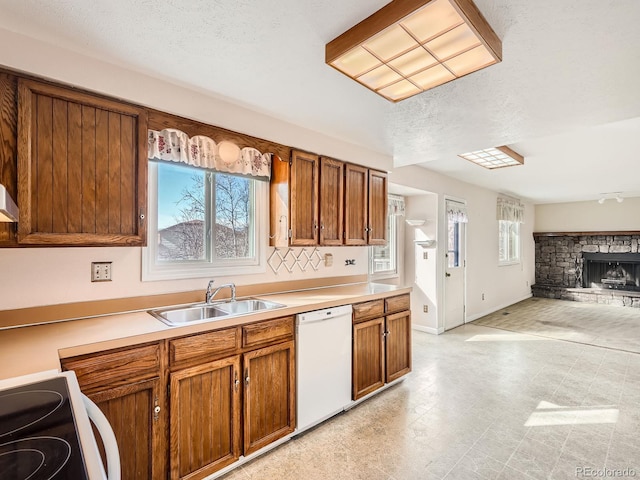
(208, 312)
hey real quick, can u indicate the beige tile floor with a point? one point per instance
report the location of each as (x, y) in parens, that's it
(481, 403)
(604, 325)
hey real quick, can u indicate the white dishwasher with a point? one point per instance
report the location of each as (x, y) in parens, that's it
(323, 364)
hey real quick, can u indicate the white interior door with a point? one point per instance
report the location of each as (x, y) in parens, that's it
(454, 281)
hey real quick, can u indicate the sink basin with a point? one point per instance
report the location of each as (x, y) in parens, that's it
(248, 306)
(188, 315)
(201, 313)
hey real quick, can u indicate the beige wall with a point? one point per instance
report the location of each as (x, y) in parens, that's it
(589, 216)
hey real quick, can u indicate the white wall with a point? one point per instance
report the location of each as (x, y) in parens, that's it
(42, 276)
(421, 273)
(589, 216)
(501, 285)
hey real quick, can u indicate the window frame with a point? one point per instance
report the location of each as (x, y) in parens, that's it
(453, 256)
(210, 266)
(393, 222)
(504, 237)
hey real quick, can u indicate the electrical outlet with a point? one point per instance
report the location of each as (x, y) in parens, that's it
(483, 296)
(425, 255)
(425, 308)
(100, 271)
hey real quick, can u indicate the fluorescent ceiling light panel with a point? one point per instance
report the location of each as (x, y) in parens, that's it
(409, 46)
(497, 157)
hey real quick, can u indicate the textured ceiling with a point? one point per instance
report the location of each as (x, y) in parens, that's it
(566, 95)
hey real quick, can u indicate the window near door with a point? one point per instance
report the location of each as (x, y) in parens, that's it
(203, 223)
(456, 215)
(453, 245)
(508, 242)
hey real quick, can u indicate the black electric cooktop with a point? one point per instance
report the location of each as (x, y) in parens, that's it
(38, 438)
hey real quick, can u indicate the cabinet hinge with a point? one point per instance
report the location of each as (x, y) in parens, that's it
(290, 233)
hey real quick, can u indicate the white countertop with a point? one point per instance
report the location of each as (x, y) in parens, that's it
(32, 349)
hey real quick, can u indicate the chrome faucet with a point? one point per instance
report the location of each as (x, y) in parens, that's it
(212, 293)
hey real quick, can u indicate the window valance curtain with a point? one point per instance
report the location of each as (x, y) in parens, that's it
(175, 146)
(396, 205)
(510, 209)
(457, 212)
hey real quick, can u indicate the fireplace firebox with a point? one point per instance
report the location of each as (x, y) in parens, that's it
(615, 271)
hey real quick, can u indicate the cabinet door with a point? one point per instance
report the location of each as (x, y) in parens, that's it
(82, 168)
(129, 385)
(205, 418)
(138, 428)
(368, 357)
(355, 198)
(331, 201)
(8, 139)
(377, 226)
(269, 395)
(304, 198)
(398, 345)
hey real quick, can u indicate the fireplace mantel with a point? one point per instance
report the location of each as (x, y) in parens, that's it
(582, 234)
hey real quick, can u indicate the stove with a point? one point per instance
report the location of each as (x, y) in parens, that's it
(43, 430)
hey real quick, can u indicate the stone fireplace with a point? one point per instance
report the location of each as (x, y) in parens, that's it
(599, 267)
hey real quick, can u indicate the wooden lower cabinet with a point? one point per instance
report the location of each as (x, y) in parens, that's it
(232, 392)
(205, 418)
(368, 357)
(269, 395)
(381, 349)
(130, 411)
(129, 386)
(398, 345)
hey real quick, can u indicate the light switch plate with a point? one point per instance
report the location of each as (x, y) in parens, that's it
(100, 271)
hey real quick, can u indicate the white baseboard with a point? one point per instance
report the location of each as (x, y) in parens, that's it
(431, 330)
(471, 318)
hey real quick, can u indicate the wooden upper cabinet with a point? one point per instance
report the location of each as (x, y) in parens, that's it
(377, 226)
(82, 168)
(331, 201)
(304, 198)
(356, 205)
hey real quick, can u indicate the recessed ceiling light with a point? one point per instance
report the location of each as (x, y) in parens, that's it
(496, 157)
(409, 46)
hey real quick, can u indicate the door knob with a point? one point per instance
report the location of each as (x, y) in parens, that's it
(447, 274)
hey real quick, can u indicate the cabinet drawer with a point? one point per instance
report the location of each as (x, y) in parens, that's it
(372, 309)
(269, 331)
(113, 368)
(397, 304)
(210, 344)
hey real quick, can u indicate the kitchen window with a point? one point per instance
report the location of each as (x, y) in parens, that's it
(383, 259)
(203, 223)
